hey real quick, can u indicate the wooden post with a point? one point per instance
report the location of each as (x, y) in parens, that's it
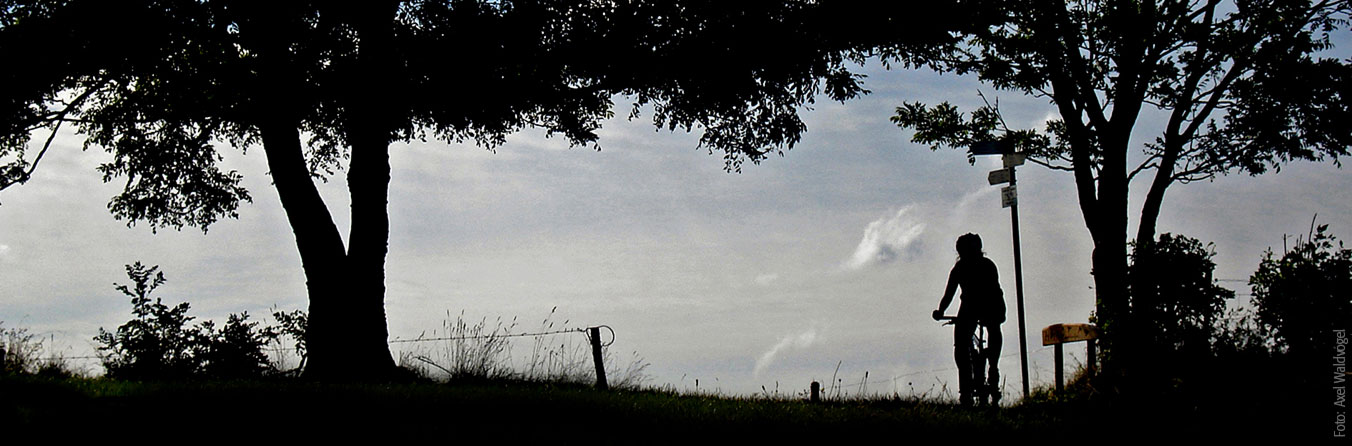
(1060, 379)
(595, 334)
(1092, 356)
(816, 395)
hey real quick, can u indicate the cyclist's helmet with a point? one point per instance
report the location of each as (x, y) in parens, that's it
(969, 245)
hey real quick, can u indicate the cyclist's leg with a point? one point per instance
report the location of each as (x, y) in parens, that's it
(962, 344)
(994, 341)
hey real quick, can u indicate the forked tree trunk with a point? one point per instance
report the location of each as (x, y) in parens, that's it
(347, 335)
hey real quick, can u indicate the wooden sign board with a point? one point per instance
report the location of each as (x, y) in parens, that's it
(1063, 333)
(998, 176)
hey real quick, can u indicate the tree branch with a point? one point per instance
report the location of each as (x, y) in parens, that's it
(1051, 166)
(1149, 163)
(55, 120)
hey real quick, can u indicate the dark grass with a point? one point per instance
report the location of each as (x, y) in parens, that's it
(516, 411)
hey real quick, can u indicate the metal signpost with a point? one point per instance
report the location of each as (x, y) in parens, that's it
(1009, 198)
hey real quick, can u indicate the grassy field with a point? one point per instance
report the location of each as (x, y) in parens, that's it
(530, 411)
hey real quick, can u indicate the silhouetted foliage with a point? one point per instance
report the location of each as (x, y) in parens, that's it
(1178, 309)
(160, 344)
(20, 350)
(157, 343)
(293, 325)
(1175, 297)
(24, 353)
(324, 86)
(1240, 84)
(236, 350)
(1300, 298)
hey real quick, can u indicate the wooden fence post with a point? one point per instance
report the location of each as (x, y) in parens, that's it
(1093, 356)
(595, 334)
(1060, 364)
(816, 395)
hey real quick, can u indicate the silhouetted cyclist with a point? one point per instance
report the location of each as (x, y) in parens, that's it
(982, 303)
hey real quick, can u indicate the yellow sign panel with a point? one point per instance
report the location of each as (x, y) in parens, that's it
(1063, 333)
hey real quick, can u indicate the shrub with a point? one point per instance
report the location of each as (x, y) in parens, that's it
(158, 343)
(24, 353)
(20, 351)
(236, 350)
(293, 325)
(1302, 297)
(1176, 304)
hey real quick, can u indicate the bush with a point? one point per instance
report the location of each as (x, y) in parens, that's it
(1301, 298)
(24, 353)
(1176, 303)
(293, 325)
(159, 344)
(20, 351)
(236, 350)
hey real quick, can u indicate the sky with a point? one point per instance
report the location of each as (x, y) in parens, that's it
(820, 265)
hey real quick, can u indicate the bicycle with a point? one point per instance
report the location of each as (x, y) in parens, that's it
(976, 353)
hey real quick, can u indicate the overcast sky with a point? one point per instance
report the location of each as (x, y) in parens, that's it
(830, 256)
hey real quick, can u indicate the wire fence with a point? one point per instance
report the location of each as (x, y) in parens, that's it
(401, 341)
(510, 335)
(839, 387)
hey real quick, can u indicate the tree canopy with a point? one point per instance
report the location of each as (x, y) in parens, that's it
(328, 86)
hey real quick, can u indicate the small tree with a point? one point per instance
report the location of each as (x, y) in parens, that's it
(157, 343)
(1302, 297)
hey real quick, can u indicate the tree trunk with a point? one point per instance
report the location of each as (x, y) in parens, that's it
(370, 126)
(347, 335)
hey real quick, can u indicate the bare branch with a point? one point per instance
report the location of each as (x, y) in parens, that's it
(1151, 162)
(55, 120)
(1051, 166)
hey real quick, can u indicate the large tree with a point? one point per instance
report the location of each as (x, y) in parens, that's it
(1238, 86)
(330, 85)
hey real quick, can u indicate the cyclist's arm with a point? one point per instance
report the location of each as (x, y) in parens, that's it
(948, 291)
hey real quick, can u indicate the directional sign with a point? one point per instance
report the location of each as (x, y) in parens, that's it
(1008, 196)
(998, 176)
(1014, 159)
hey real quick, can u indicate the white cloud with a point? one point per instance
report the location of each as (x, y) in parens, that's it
(885, 239)
(968, 200)
(801, 340)
(766, 279)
